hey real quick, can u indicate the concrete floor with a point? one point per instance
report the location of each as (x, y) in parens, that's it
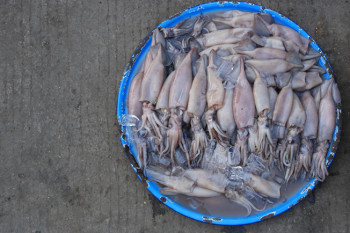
(62, 167)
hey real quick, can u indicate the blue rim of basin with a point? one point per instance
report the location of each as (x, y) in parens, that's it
(122, 111)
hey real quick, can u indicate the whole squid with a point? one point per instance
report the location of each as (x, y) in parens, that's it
(282, 108)
(226, 36)
(243, 111)
(295, 126)
(134, 104)
(151, 86)
(195, 109)
(303, 160)
(163, 99)
(163, 108)
(215, 100)
(178, 101)
(262, 101)
(249, 20)
(326, 114)
(179, 185)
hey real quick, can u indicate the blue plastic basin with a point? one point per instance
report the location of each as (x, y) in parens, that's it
(122, 110)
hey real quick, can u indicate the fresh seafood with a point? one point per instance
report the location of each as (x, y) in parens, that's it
(179, 185)
(151, 86)
(309, 134)
(243, 112)
(178, 101)
(326, 126)
(231, 104)
(295, 126)
(262, 102)
(215, 101)
(196, 107)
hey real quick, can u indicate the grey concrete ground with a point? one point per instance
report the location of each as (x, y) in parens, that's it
(62, 167)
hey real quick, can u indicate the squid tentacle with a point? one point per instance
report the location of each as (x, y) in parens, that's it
(200, 141)
(215, 131)
(265, 144)
(319, 169)
(304, 159)
(241, 146)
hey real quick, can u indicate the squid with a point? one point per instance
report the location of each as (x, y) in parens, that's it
(195, 109)
(295, 126)
(151, 86)
(326, 114)
(179, 185)
(215, 100)
(288, 33)
(272, 66)
(262, 101)
(309, 134)
(157, 40)
(249, 20)
(267, 78)
(226, 36)
(178, 101)
(135, 109)
(319, 91)
(243, 111)
(243, 181)
(163, 107)
(134, 104)
(282, 108)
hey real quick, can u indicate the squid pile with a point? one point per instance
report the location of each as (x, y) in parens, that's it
(234, 104)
